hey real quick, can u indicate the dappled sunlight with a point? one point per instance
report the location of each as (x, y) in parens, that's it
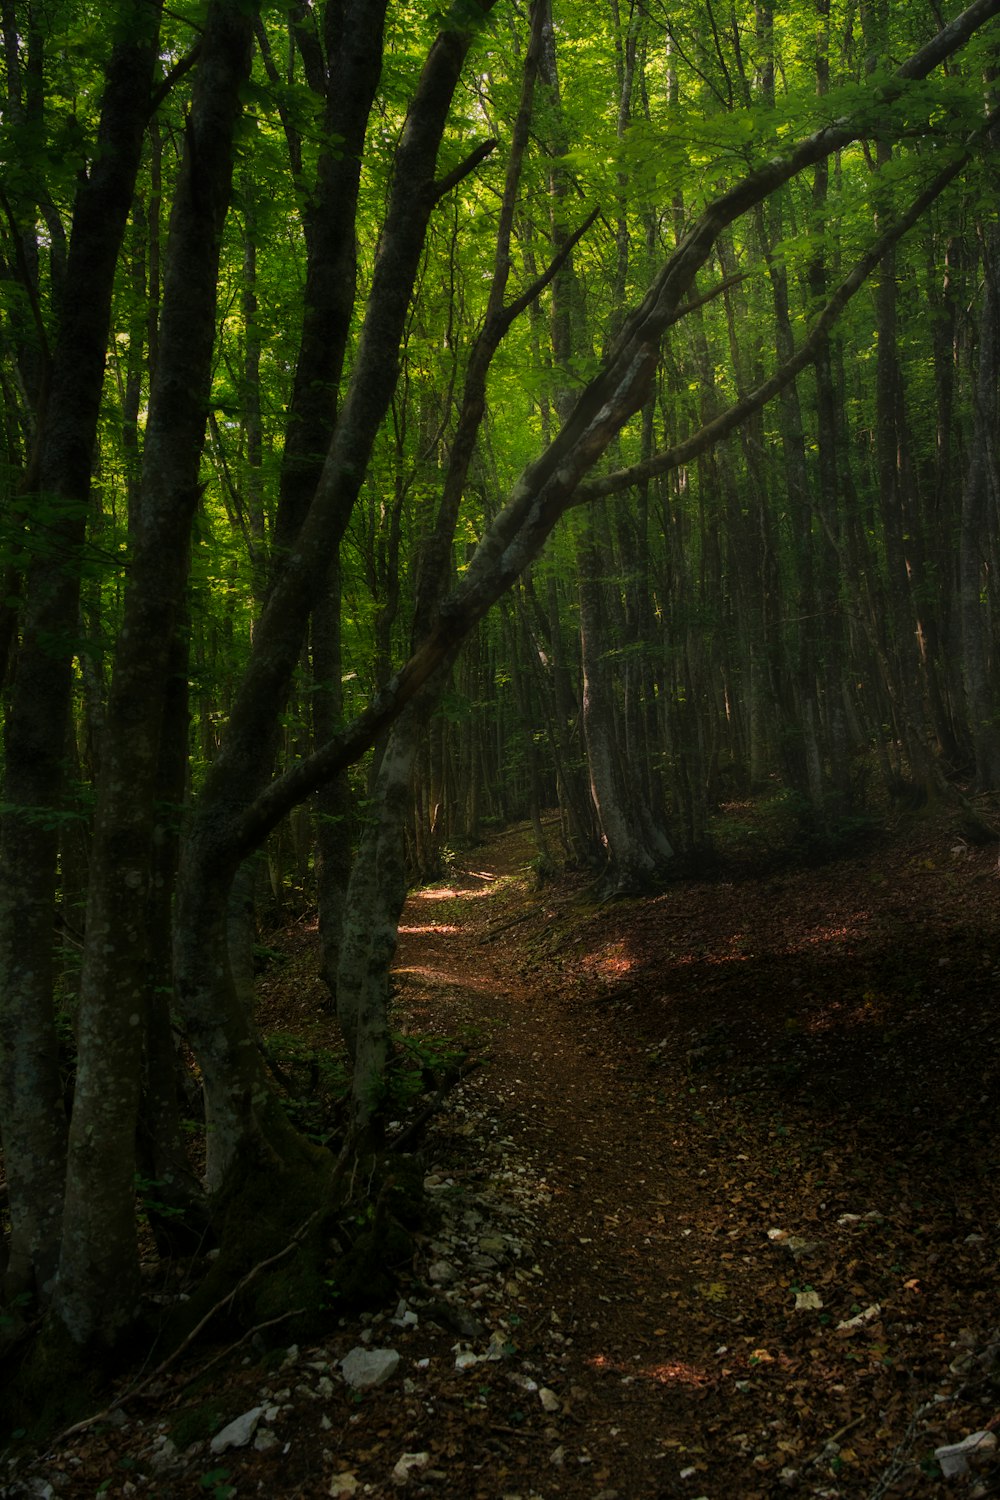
(625, 958)
(425, 973)
(852, 929)
(443, 928)
(453, 893)
(670, 1372)
(452, 978)
(614, 962)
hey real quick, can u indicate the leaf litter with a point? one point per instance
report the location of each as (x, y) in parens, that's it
(718, 1215)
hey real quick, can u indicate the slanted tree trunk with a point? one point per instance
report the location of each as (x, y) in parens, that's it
(377, 887)
(238, 1106)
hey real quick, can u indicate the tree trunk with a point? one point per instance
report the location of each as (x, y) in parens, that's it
(97, 1292)
(979, 512)
(31, 1105)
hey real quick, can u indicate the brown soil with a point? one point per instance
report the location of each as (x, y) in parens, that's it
(721, 1202)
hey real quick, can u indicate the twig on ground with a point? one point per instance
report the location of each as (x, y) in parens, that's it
(295, 1312)
(186, 1343)
(834, 1437)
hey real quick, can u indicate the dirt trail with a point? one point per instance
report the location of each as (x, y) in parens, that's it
(718, 1217)
(728, 1188)
(558, 1083)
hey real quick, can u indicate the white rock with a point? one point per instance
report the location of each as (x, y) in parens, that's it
(550, 1401)
(265, 1441)
(342, 1485)
(239, 1432)
(861, 1319)
(401, 1472)
(441, 1272)
(805, 1301)
(367, 1367)
(165, 1455)
(466, 1360)
(954, 1457)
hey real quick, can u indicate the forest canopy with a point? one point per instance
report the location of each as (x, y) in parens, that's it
(415, 417)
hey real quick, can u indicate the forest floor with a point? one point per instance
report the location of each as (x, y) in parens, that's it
(717, 1216)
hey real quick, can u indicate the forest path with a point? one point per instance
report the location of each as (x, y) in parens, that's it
(718, 1216)
(559, 1085)
(761, 1117)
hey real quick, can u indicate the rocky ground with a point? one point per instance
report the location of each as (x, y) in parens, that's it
(716, 1216)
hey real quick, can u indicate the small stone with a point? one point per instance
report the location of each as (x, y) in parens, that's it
(265, 1441)
(238, 1433)
(868, 1316)
(367, 1367)
(492, 1244)
(441, 1272)
(343, 1485)
(165, 1454)
(549, 1399)
(954, 1458)
(401, 1471)
(807, 1300)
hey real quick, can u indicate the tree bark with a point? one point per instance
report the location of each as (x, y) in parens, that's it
(236, 1091)
(97, 1292)
(979, 512)
(31, 1106)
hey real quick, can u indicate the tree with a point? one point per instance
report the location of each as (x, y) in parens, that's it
(356, 86)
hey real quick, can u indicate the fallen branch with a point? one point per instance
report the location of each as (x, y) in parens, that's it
(186, 1343)
(295, 1312)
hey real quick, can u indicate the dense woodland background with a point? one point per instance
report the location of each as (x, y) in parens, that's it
(315, 320)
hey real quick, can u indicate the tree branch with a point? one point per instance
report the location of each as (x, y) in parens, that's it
(734, 416)
(514, 309)
(174, 77)
(451, 179)
(550, 486)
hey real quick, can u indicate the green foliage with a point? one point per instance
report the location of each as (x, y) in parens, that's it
(315, 1080)
(215, 1482)
(421, 1063)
